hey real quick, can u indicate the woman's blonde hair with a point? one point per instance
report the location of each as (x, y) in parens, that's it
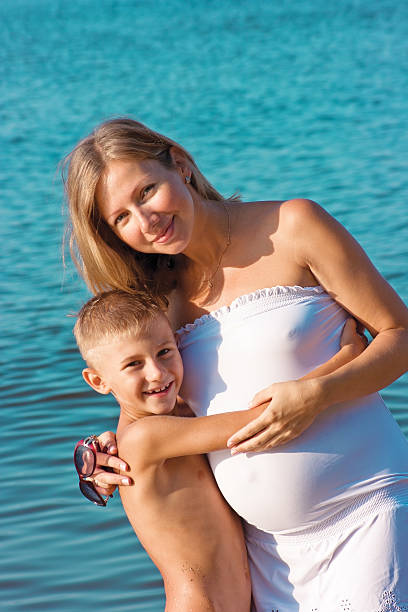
(103, 260)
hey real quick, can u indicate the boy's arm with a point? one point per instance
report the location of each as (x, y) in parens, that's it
(151, 440)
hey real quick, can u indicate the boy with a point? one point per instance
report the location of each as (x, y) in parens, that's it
(174, 505)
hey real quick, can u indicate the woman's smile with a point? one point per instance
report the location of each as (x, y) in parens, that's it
(167, 234)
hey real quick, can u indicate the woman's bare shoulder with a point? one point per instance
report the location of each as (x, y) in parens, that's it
(251, 215)
(280, 215)
(301, 209)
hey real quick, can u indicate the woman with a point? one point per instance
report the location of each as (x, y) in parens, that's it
(323, 511)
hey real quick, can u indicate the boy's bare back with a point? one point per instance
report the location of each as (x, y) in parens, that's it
(188, 530)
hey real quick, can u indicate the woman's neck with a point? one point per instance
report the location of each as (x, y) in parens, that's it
(211, 236)
(200, 278)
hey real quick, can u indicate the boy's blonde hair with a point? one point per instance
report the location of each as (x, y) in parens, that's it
(114, 314)
(104, 261)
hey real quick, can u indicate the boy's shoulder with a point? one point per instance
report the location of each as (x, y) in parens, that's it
(142, 443)
(134, 441)
(139, 438)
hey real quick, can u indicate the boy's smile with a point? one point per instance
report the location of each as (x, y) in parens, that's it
(143, 371)
(161, 391)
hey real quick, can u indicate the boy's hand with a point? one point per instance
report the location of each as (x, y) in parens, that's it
(353, 337)
(107, 481)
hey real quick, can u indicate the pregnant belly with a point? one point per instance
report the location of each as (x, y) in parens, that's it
(351, 450)
(273, 491)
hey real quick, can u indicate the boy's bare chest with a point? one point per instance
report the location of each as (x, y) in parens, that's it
(178, 502)
(175, 488)
(178, 477)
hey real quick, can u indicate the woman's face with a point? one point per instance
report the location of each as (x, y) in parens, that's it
(147, 205)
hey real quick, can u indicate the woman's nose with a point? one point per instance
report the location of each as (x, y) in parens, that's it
(147, 219)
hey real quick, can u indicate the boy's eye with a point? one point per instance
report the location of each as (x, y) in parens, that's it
(164, 352)
(133, 364)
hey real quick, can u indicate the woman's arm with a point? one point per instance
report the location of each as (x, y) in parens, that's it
(344, 270)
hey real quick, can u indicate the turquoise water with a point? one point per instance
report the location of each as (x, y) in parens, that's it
(275, 100)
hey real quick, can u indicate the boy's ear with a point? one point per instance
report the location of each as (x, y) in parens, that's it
(95, 381)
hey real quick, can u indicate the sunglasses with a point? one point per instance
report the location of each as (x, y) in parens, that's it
(85, 463)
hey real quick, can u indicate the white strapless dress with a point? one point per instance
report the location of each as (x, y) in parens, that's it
(352, 461)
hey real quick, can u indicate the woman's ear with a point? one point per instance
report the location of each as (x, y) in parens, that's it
(95, 381)
(180, 161)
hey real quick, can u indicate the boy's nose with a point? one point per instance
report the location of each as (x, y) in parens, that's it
(154, 371)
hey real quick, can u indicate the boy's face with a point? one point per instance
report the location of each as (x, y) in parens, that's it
(144, 372)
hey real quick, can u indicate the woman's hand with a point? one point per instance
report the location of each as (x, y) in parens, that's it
(106, 481)
(291, 407)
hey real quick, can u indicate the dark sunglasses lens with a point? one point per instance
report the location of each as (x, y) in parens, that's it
(88, 490)
(84, 461)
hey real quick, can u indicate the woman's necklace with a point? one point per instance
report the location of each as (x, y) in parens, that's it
(228, 242)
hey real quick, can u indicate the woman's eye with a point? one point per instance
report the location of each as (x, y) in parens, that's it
(120, 218)
(146, 191)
